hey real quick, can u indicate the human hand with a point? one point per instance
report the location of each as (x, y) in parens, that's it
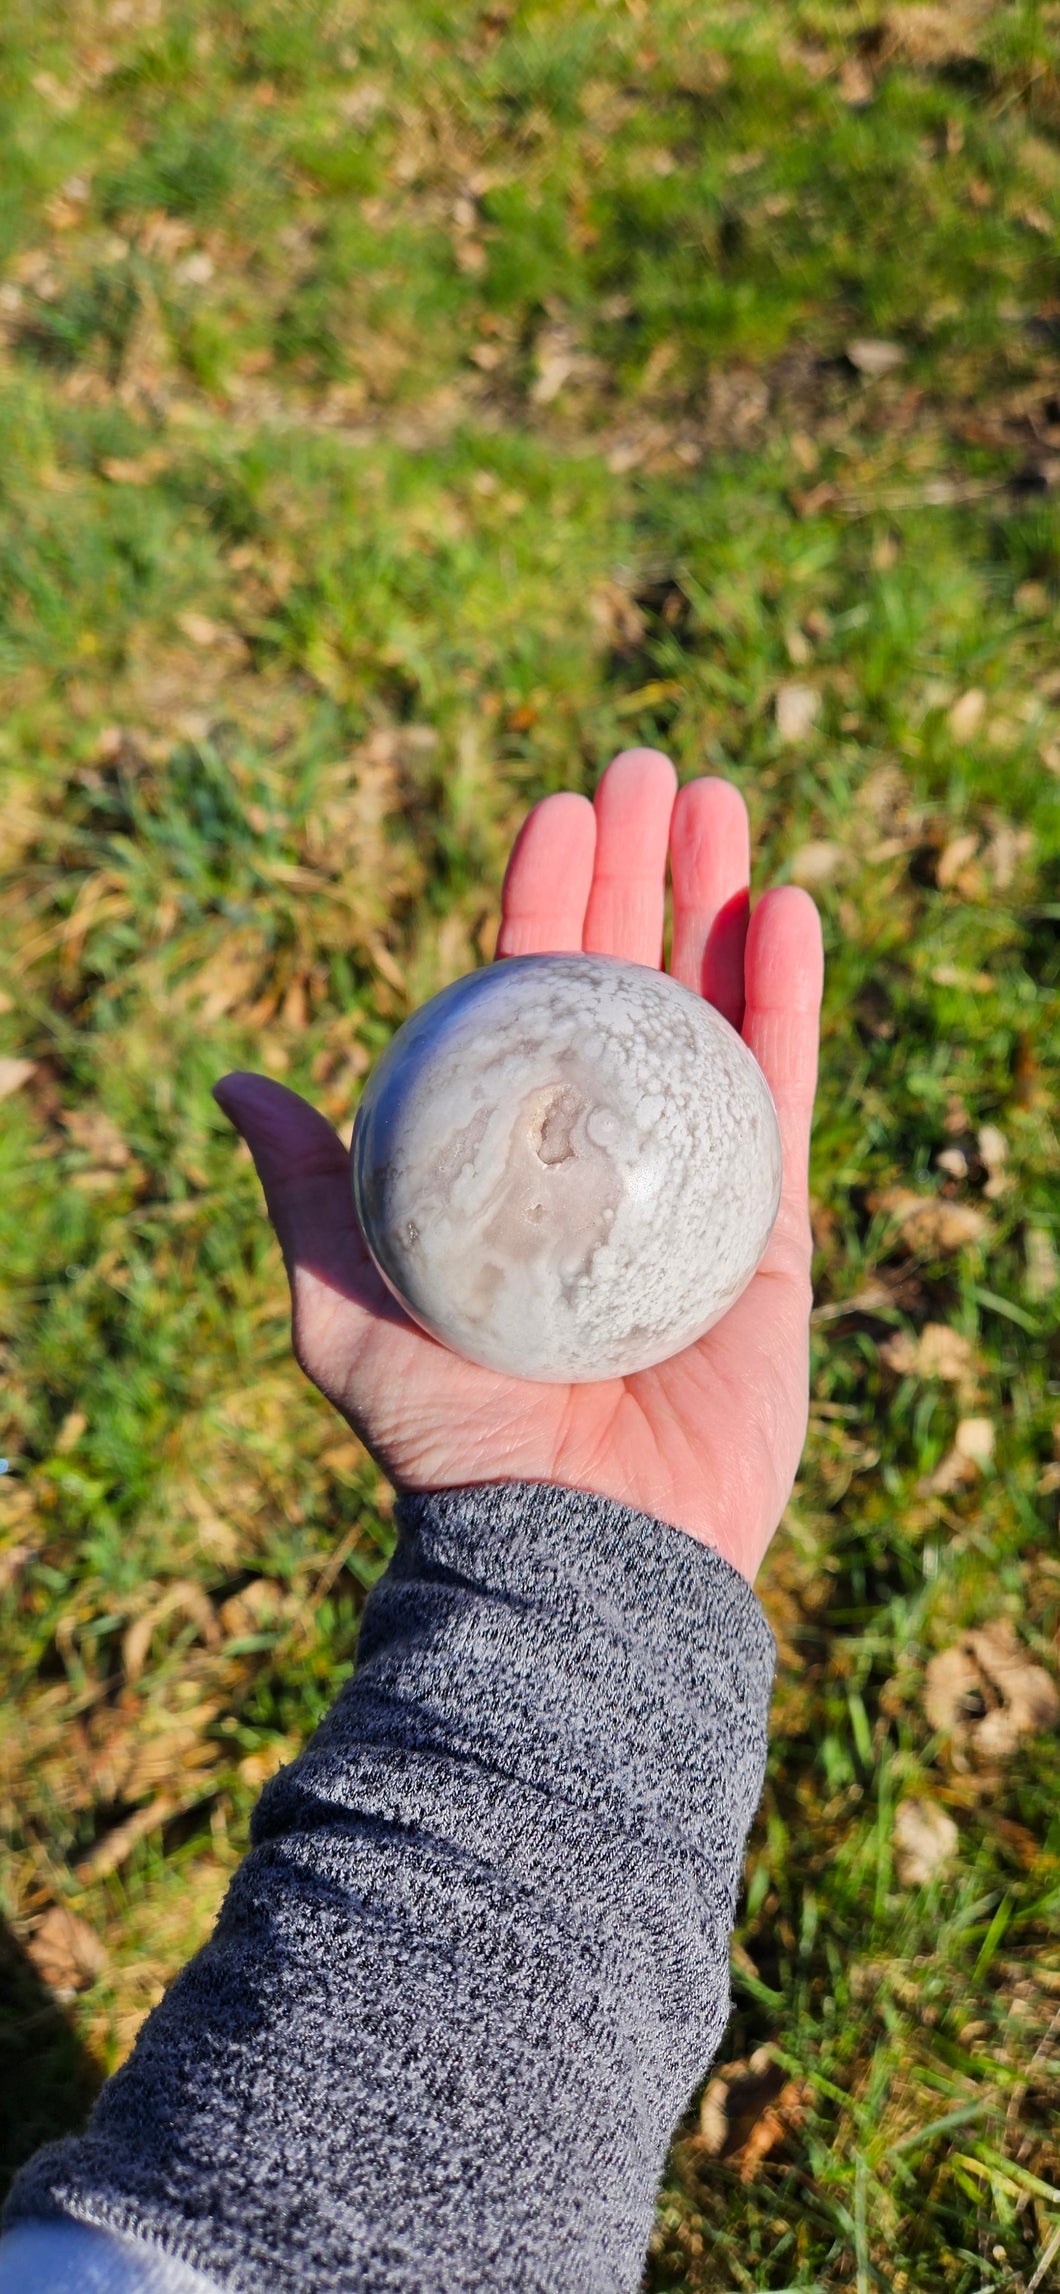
(711, 1439)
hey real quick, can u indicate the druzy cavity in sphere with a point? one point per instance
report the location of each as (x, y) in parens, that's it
(567, 1167)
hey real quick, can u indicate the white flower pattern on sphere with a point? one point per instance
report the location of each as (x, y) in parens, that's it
(567, 1167)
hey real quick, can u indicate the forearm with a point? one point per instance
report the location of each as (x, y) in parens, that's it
(464, 1983)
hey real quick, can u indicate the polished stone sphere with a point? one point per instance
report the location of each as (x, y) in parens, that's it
(566, 1167)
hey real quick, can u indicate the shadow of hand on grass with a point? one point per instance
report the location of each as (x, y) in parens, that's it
(48, 2080)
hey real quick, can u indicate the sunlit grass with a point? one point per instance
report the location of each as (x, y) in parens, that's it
(399, 412)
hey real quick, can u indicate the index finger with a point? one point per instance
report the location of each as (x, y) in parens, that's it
(547, 880)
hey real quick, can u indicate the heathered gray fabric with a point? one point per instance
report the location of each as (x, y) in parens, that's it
(462, 1987)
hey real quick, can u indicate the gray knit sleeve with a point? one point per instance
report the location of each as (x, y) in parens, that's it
(464, 1983)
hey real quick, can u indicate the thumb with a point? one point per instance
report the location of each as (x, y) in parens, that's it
(304, 1171)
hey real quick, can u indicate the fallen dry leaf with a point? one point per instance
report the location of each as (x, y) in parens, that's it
(871, 1296)
(985, 1693)
(886, 799)
(954, 859)
(344, 1457)
(665, 354)
(973, 1448)
(200, 628)
(816, 863)
(617, 617)
(925, 1841)
(871, 356)
(56, 94)
(1006, 850)
(747, 2111)
(227, 980)
(798, 648)
(178, 1747)
(256, 1767)
(294, 1011)
(975, 1439)
(147, 358)
(808, 501)
(559, 359)
(136, 470)
(469, 254)
(993, 1153)
(797, 708)
(66, 1952)
(14, 1073)
(196, 269)
(970, 984)
(123, 1758)
(164, 235)
(73, 1426)
(929, 1223)
(856, 84)
(1017, 1838)
(933, 34)
(13, 1560)
(737, 402)
(112, 1850)
(388, 966)
(935, 1352)
(259, 1605)
(100, 1137)
(1043, 1273)
(966, 715)
(66, 207)
(184, 1595)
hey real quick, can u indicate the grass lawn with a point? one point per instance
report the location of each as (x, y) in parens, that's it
(401, 409)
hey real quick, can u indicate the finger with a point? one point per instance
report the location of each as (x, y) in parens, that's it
(710, 870)
(304, 1170)
(627, 902)
(784, 975)
(546, 884)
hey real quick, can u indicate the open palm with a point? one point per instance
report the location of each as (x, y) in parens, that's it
(710, 1440)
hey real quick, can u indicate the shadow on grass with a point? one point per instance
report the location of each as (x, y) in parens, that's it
(48, 2081)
